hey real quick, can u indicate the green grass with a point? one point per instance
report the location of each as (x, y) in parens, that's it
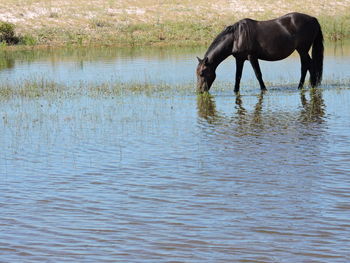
(7, 33)
(183, 33)
(154, 22)
(336, 28)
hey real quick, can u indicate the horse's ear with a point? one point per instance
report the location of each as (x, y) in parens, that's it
(205, 61)
(242, 38)
(199, 60)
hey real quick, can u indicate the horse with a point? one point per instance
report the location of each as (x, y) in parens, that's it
(269, 40)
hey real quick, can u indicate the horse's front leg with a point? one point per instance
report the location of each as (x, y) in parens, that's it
(239, 69)
(255, 64)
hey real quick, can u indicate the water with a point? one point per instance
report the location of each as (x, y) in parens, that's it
(152, 65)
(172, 176)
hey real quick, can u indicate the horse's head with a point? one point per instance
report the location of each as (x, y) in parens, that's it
(205, 75)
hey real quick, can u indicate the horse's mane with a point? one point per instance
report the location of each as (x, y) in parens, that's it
(243, 35)
(217, 40)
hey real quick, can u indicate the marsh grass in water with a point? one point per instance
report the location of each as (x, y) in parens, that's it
(49, 89)
(31, 89)
(41, 88)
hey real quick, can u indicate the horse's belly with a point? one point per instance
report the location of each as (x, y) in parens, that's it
(276, 52)
(275, 47)
(274, 57)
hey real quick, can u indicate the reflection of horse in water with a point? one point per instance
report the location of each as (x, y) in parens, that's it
(241, 111)
(206, 107)
(313, 110)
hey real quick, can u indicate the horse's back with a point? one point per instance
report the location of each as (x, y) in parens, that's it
(279, 37)
(292, 23)
(303, 28)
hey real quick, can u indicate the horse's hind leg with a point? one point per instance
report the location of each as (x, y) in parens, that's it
(305, 66)
(255, 64)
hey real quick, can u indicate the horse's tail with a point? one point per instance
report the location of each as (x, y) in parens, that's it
(317, 58)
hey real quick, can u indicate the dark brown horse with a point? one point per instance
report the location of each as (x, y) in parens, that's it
(267, 40)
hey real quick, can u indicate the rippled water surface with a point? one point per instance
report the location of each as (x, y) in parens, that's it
(171, 176)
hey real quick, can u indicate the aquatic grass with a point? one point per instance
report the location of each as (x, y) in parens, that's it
(343, 82)
(119, 89)
(31, 89)
(42, 88)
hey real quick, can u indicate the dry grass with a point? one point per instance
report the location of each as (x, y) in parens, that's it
(155, 21)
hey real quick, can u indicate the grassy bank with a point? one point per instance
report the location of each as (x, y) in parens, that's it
(154, 22)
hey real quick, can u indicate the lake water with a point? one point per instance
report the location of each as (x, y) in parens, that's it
(171, 176)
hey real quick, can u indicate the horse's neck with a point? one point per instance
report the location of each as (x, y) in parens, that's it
(219, 54)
